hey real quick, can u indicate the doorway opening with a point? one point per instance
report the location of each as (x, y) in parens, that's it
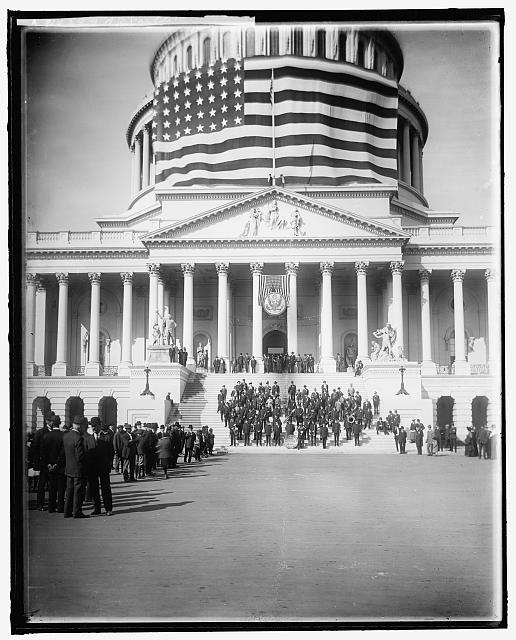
(275, 342)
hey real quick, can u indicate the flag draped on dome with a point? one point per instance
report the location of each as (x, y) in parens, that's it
(335, 124)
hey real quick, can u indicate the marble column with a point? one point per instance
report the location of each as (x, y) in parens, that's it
(93, 366)
(137, 163)
(40, 330)
(59, 368)
(222, 311)
(127, 324)
(161, 297)
(461, 366)
(292, 268)
(146, 158)
(188, 274)
(397, 305)
(493, 321)
(406, 153)
(153, 270)
(257, 346)
(133, 170)
(414, 156)
(420, 160)
(427, 365)
(362, 328)
(327, 363)
(30, 321)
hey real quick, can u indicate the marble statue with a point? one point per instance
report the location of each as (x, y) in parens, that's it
(375, 350)
(388, 337)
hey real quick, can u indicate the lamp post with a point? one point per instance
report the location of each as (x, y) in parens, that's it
(402, 388)
(147, 391)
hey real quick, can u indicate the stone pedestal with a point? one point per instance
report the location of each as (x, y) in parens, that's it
(59, 369)
(428, 368)
(327, 365)
(158, 353)
(462, 368)
(92, 369)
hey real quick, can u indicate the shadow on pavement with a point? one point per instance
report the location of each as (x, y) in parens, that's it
(150, 507)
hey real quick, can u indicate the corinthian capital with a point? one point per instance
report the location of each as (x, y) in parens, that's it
(490, 274)
(222, 268)
(94, 277)
(292, 268)
(62, 278)
(127, 278)
(32, 278)
(424, 274)
(188, 268)
(327, 267)
(153, 269)
(361, 267)
(457, 275)
(396, 267)
(256, 267)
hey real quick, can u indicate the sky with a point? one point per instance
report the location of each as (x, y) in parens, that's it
(82, 88)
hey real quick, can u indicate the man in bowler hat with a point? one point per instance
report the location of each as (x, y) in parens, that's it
(75, 469)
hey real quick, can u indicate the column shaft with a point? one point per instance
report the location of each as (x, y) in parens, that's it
(138, 163)
(222, 310)
(461, 366)
(362, 329)
(406, 153)
(30, 319)
(127, 319)
(257, 346)
(493, 320)
(427, 365)
(414, 156)
(59, 368)
(188, 273)
(397, 305)
(327, 359)
(292, 269)
(94, 317)
(40, 332)
(160, 304)
(146, 158)
(153, 297)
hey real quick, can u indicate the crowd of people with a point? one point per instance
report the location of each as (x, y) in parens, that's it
(310, 417)
(73, 463)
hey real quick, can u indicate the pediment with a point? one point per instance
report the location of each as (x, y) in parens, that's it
(274, 214)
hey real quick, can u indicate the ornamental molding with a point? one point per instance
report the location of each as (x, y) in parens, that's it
(94, 277)
(32, 279)
(424, 274)
(361, 267)
(292, 268)
(80, 254)
(491, 274)
(256, 267)
(267, 198)
(396, 267)
(286, 243)
(127, 277)
(447, 250)
(222, 268)
(62, 278)
(188, 268)
(327, 267)
(457, 275)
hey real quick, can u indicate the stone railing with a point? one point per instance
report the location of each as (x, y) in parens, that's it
(109, 371)
(75, 370)
(445, 369)
(122, 237)
(43, 370)
(479, 369)
(450, 231)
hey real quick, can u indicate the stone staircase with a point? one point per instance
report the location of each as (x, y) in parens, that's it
(198, 405)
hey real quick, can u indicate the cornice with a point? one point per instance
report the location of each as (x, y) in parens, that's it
(78, 254)
(276, 243)
(143, 107)
(442, 250)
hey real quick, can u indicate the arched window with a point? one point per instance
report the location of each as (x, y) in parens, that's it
(189, 57)
(360, 60)
(298, 42)
(321, 43)
(445, 411)
(74, 406)
(479, 411)
(206, 51)
(274, 42)
(174, 69)
(226, 45)
(108, 411)
(249, 43)
(342, 46)
(40, 408)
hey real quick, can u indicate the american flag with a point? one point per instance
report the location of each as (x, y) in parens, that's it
(335, 124)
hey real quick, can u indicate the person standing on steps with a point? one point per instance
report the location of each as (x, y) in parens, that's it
(189, 444)
(402, 437)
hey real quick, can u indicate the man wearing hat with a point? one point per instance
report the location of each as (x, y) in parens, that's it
(128, 454)
(176, 444)
(75, 469)
(35, 451)
(105, 453)
(117, 446)
(52, 463)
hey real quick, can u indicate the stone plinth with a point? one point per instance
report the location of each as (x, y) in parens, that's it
(158, 353)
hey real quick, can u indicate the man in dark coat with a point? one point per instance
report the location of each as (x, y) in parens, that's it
(52, 461)
(164, 452)
(268, 432)
(453, 439)
(176, 444)
(117, 446)
(75, 469)
(128, 454)
(357, 428)
(419, 437)
(336, 432)
(105, 453)
(402, 438)
(92, 467)
(189, 443)
(324, 435)
(35, 450)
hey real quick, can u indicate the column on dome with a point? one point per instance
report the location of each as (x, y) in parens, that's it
(127, 324)
(137, 163)
(146, 158)
(93, 366)
(59, 368)
(222, 311)
(406, 153)
(397, 305)
(421, 187)
(461, 366)
(188, 274)
(327, 364)
(133, 170)
(362, 329)
(414, 156)
(30, 321)
(292, 268)
(154, 271)
(427, 365)
(493, 320)
(257, 344)
(40, 329)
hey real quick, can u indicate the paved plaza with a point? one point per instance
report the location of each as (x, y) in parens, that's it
(281, 538)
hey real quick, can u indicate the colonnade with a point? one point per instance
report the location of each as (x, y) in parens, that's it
(159, 300)
(142, 166)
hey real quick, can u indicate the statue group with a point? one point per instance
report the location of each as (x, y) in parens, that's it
(272, 218)
(387, 350)
(163, 330)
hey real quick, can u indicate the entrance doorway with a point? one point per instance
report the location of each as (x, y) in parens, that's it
(108, 407)
(275, 342)
(445, 411)
(479, 411)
